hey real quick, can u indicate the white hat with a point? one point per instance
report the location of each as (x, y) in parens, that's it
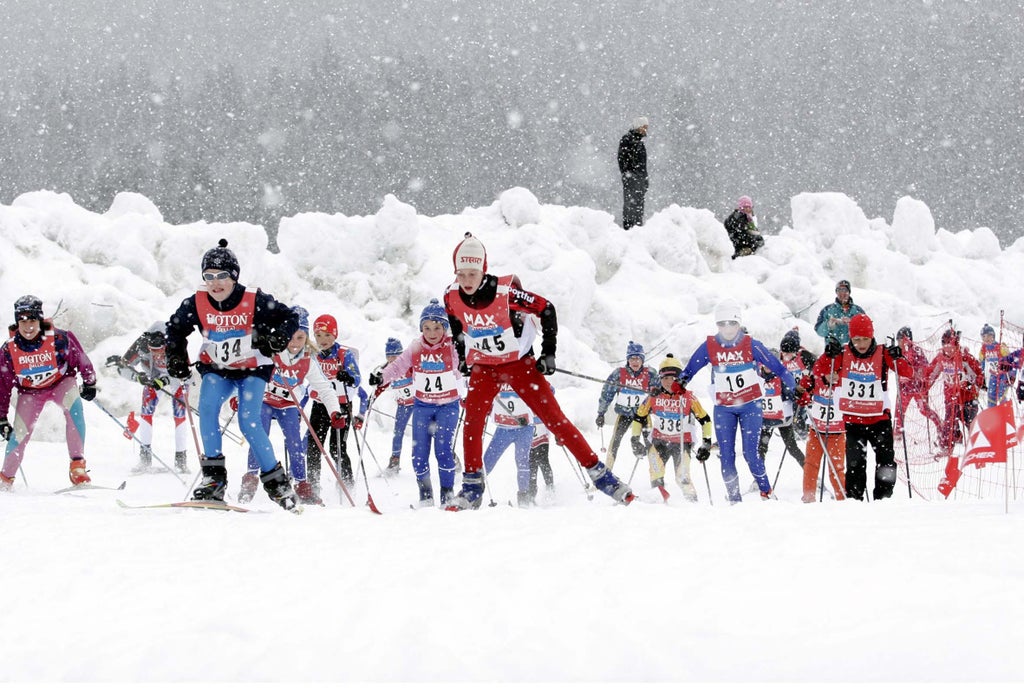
(639, 122)
(728, 310)
(470, 254)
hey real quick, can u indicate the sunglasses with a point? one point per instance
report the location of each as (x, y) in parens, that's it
(27, 316)
(727, 323)
(210, 276)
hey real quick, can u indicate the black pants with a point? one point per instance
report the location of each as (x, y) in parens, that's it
(879, 436)
(540, 462)
(622, 424)
(321, 422)
(788, 435)
(633, 202)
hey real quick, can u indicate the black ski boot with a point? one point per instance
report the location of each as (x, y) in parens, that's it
(426, 492)
(279, 488)
(214, 482)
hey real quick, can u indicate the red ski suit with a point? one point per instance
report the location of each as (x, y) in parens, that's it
(493, 331)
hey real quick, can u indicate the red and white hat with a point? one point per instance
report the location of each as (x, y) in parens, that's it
(470, 254)
(326, 323)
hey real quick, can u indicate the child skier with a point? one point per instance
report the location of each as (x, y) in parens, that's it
(435, 412)
(340, 364)
(493, 323)
(912, 387)
(404, 396)
(828, 430)
(513, 425)
(145, 362)
(627, 386)
(777, 414)
(295, 368)
(540, 459)
(41, 362)
(863, 368)
(667, 410)
(242, 329)
(998, 380)
(962, 376)
(734, 356)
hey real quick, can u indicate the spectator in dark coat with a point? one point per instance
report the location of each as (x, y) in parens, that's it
(742, 228)
(633, 168)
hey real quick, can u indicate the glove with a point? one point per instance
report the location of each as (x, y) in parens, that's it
(895, 351)
(345, 377)
(832, 347)
(380, 389)
(464, 369)
(704, 451)
(338, 420)
(546, 364)
(272, 343)
(233, 403)
(114, 360)
(177, 366)
(357, 422)
(600, 420)
(5, 428)
(376, 379)
(87, 392)
(676, 387)
(154, 382)
(638, 445)
(1020, 393)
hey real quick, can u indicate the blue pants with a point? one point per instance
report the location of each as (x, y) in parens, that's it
(213, 392)
(294, 442)
(434, 422)
(402, 415)
(503, 437)
(748, 417)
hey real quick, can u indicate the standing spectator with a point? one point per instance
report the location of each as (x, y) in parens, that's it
(41, 362)
(633, 168)
(862, 393)
(742, 228)
(834, 319)
(627, 386)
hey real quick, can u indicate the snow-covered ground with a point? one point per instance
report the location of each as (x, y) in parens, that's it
(577, 590)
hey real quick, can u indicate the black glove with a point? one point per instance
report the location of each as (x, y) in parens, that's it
(895, 351)
(114, 360)
(546, 364)
(376, 378)
(704, 451)
(1020, 393)
(832, 347)
(345, 377)
(177, 366)
(600, 420)
(464, 369)
(154, 382)
(638, 445)
(5, 428)
(272, 343)
(87, 392)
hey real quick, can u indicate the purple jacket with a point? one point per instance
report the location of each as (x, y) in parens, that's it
(71, 360)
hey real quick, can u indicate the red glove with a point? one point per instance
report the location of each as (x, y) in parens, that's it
(380, 390)
(357, 422)
(338, 420)
(234, 404)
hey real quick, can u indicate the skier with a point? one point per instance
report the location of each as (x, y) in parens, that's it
(435, 411)
(798, 362)
(998, 381)
(627, 386)
(834, 319)
(863, 368)
(513, 426)
(912, 388)
(145, 362)
(295, 369)
(340, 364)
(828, 430)
(777, 414)
(668, 409)
(962, 377)
(493, 322)
(734, 356)
(42, 362)
(242, 329)
(404, 396)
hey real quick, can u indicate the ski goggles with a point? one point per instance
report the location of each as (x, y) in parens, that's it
(211, 276)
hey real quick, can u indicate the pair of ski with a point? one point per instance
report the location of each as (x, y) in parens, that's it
(194, 504)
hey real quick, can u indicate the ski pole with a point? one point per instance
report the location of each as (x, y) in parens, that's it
(23, 478)
(603, 448)
(633, 472)
(199, 450)
(578, 472)
(707, 481)
(366, 482)
(131, 434)
(320, 446)
(821, 487)
(782, 460)
(224, 429)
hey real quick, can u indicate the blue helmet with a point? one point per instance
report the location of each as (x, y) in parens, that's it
(634, 349)
(436, 312)
(303, 318)
(392, 347)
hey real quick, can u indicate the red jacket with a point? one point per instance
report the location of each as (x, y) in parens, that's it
(962, 375)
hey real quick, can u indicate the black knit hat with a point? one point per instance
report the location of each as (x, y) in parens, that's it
(221, 258)
(790, 342)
